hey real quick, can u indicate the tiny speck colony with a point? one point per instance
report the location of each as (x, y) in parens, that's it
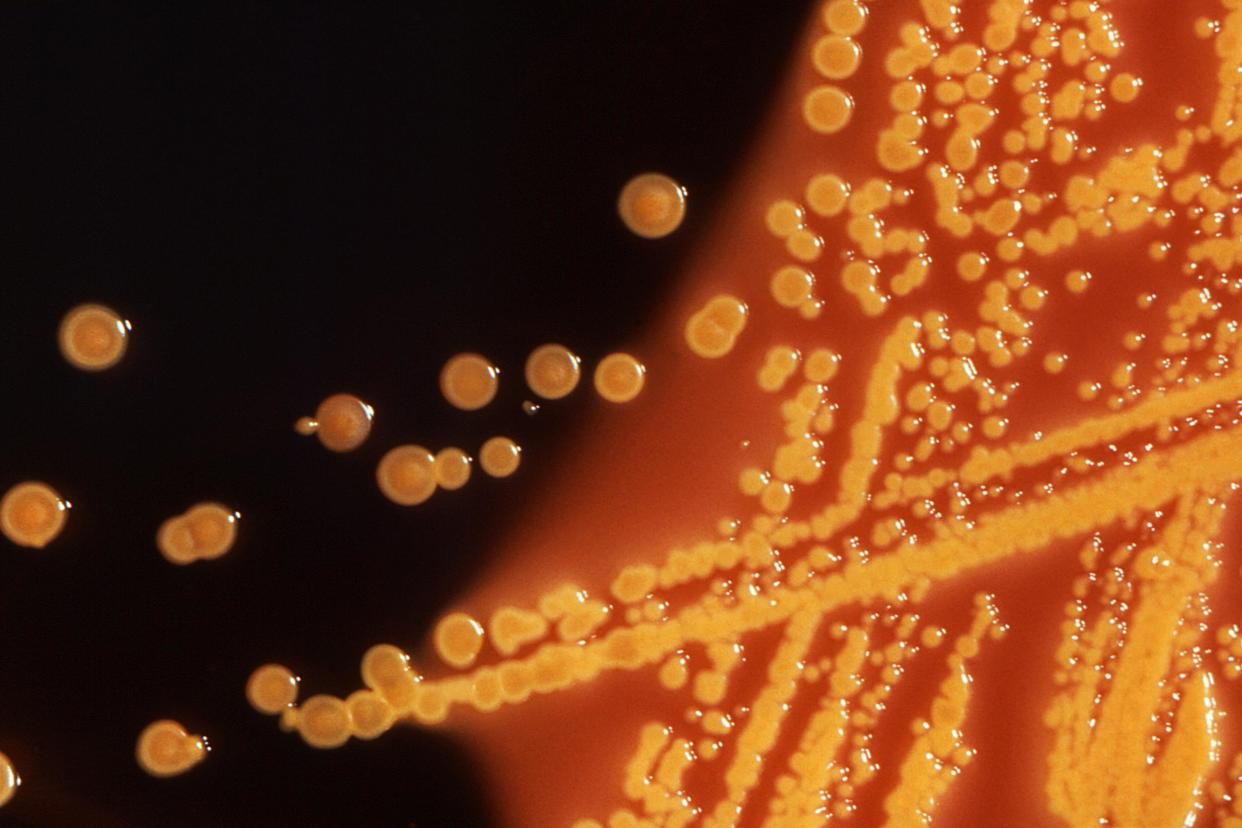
(204, 532)
(342, 423)
(32, 514)
(93, 337)
(166, 749)
(652, 205)
(9, 780)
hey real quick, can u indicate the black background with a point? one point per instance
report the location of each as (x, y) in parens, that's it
(289, 201)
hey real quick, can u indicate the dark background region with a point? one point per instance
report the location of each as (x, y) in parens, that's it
(289, 200)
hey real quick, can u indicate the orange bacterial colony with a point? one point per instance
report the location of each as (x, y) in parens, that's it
(204, 532)
(9, 780)
(166, 749)
(500, 456)
(469, 381)
(652, 205)
(619, 378)
(552, 371)
(32, 514)
(922, 517)
(342, 423)
(407, 475)
(93, 337)
(271, 689)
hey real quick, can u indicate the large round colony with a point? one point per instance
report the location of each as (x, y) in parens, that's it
(272, 689)
(9, 780)
(469, 381)
(407, 475)
(619, 378)
(552, 371)
(93, 337)
(32, 514)
(652, 205)
(166, 749)
(500, 456)
(342, 422)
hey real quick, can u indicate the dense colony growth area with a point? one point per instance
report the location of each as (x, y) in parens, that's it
(973, 322)
(925, 519)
